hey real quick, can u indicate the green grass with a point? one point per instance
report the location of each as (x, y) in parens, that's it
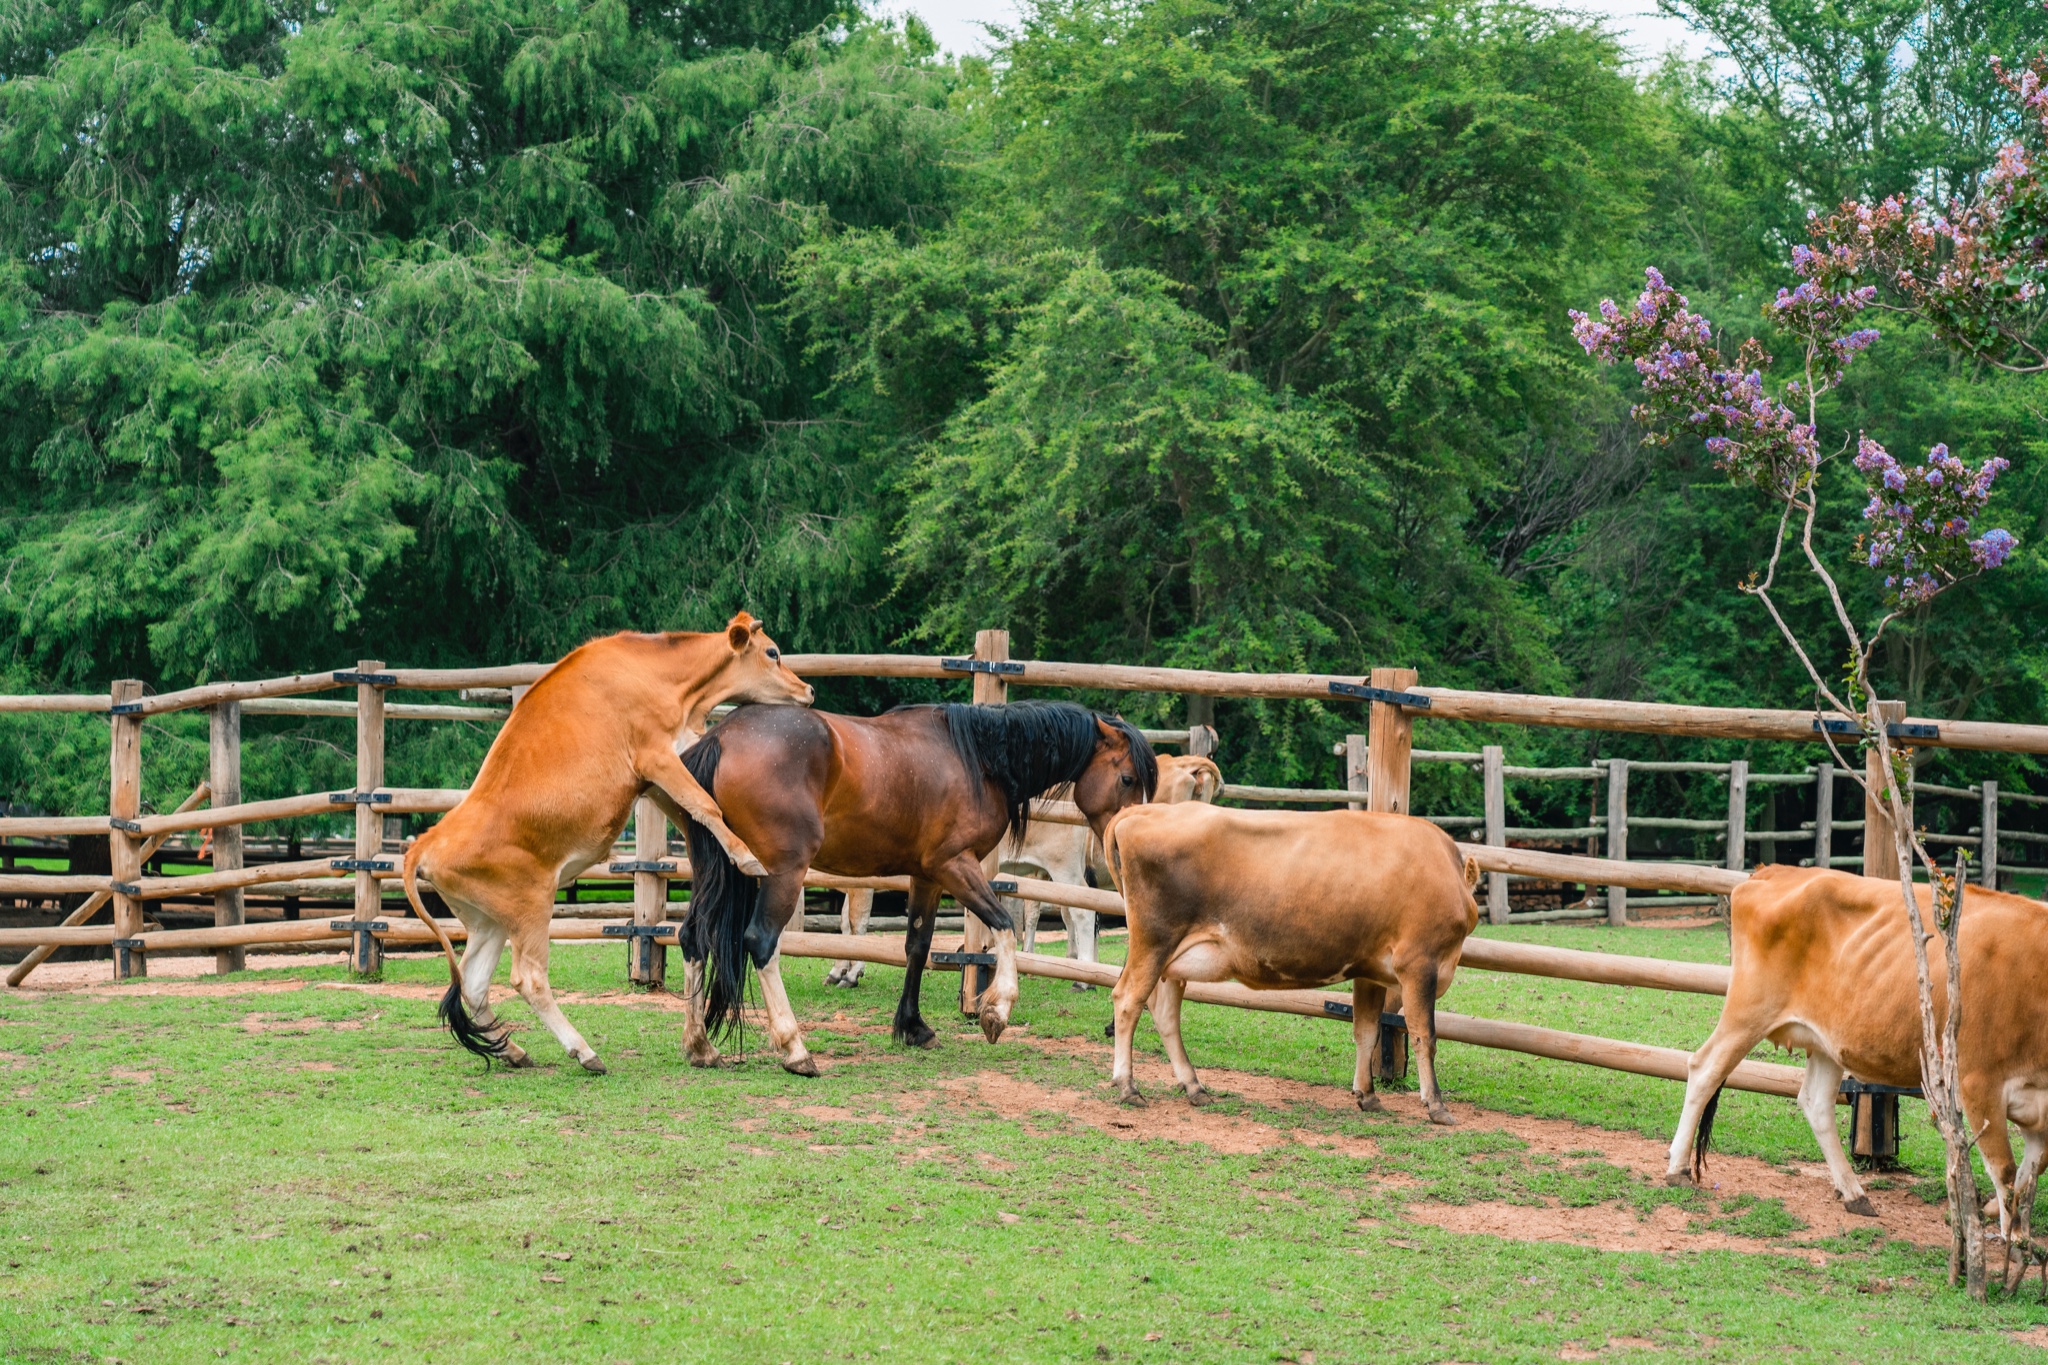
(321, 1174)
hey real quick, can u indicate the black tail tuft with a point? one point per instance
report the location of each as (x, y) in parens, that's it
(724, 928)
(483, 1042)
(1703, 1136)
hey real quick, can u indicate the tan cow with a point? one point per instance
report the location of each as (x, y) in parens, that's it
(1052, 852)
(1289, 899)
(600, 728)
(1823, 963)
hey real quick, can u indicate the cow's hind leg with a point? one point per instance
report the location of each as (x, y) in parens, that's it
(530, 979)
(1817, 1101)
(697, 1044)
(1368, 1002)
(1166, 1001)
(1418, 991)
(1729, 1043)
(1134, 987)
(480, 956)
(853, 919)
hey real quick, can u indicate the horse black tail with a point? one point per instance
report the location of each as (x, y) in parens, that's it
(1703, 1135)
(720, 930)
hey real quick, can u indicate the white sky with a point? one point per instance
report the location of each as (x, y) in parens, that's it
(1647, 34)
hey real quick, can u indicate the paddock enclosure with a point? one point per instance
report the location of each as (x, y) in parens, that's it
(1379, 764)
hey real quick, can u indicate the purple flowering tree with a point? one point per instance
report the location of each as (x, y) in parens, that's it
(1921, 535)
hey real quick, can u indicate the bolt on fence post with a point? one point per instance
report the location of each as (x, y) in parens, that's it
(1988, 830)
(1493, 776)
(1617, 835)
(1880, 857)
(1738, 814)
(975, 937)
(224, 775)
(369, 953)
(124, 847)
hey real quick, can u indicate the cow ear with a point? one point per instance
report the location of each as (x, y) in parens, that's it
(739, 632)
(1209, 784)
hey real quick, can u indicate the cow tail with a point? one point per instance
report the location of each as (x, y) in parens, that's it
(485, 1043)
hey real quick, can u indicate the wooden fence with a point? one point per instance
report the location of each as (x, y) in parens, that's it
(1379, 765)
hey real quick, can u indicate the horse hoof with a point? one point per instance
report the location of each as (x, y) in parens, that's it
(992, 1025)
(919, 1036)
(1860, 1206)
(1369, 1104)
(708, 1057)
(592, 1065)
(1679, 1180)
(1200, 1098)
(803, 1066)
(1441, 1114)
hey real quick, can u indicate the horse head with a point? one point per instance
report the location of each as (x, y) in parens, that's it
(1121, 772)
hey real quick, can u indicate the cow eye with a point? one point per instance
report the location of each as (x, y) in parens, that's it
(775, 656)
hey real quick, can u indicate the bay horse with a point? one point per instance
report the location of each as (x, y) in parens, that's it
(921, 791)
(598, 730)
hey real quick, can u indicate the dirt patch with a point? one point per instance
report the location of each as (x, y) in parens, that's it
(77, 976)
(2033, 1336)
(1608, 1227)
(1807, 1193)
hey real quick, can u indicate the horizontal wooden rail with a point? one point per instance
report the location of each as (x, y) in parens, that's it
(299, 706)
(404, 801)
(56, 701)
(52, 826)
(1564, 867)
(1667, 1063)
(1604, 969)
(34, 884)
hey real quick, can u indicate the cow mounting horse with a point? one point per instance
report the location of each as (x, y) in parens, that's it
(600, 728)
(922, 791)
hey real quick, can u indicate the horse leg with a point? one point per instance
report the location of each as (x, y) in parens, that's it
(697, 1045)
(530, 979)
(854, 913)
(1418, 992)
(1028, 911)
(1166, 1018)
(782, 899)
(1368, 1002)
(910, 1026)
(963, 877)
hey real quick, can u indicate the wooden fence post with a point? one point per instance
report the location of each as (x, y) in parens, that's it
(224, 775)
(1738, 814)
(1357, 769)
(1493, 777)
(1202, 741)
(1824, 815)
(124, 803)
(369, 949)
(1989, 831)
(1880, 858)
(1617, 835)
(989, 689)
(1391, 736)
(646, 960)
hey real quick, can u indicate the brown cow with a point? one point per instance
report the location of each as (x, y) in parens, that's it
(600, 728)
(1823, 962)
(1289, 899)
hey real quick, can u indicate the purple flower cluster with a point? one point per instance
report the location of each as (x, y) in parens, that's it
(1687, 384)
(1921, 518)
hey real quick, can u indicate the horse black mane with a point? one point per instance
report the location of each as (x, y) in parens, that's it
(1028, 748)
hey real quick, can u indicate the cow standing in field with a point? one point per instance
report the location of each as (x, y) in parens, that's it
(600, 728)
(1823, 962)
(1052, 852)
(1289, 899)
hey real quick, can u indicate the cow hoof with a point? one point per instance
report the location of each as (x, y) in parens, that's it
(1678, 1180)
(706, 1055)
(515, 1056)
(1369, 1104)
(592, 1065)
(803, 1066)
(1441, 1114)
(1200, 1098)
(1083, 985)
(750, 867)
(1131, 1099)
(1860, 1206)
(992, 1025)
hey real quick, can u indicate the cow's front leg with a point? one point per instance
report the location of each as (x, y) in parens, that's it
(1368, 1002)
(1817, 1094)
